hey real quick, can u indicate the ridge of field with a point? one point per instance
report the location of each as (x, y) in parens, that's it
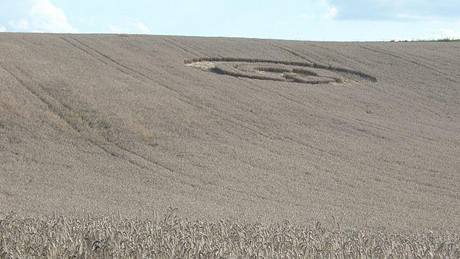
(103, 124)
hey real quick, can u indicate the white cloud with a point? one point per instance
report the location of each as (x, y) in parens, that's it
(20, 25)
(143, 28)
(332, 12)
(130, 26)
(423, 10)
(319, 10)
(2, 28)
(42, 16)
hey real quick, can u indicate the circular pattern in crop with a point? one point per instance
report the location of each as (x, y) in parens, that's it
(275, 70)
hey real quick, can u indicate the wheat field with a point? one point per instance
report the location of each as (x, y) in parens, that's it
(170, 236)
(255, 141)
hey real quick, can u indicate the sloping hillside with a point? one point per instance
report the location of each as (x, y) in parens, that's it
(259, 130)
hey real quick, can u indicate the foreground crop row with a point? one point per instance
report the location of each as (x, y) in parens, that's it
(174, 237)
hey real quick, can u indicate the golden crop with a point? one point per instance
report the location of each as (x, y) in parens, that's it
(174, 237)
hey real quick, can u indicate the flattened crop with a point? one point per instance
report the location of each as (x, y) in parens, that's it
(277, 70)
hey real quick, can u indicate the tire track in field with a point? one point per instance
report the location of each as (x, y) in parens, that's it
(184, 49)
(66, 114)
(389, 53)
(310, 147)
(407, 56)
(292, 52)
(216, 113)
(213, 111)
(339, 53)
(321, 151)
(180, 96)
(107, 60)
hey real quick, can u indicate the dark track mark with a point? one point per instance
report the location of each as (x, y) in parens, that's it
(276, 70)
(143, 77)
(81, 125)
(337, 53)
(293, 53)
(106, 60)
(388, 53)
(179, 46)
(82, 49)
(125, 69)
(119, 65)
(66, 114)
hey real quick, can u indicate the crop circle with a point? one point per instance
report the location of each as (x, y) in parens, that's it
(275, 70)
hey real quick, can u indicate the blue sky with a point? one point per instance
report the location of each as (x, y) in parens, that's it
(336, 20)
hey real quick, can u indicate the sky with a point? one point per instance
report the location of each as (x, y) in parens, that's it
(325, 20)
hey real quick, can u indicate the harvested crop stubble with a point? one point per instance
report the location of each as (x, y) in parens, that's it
(174, 237)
